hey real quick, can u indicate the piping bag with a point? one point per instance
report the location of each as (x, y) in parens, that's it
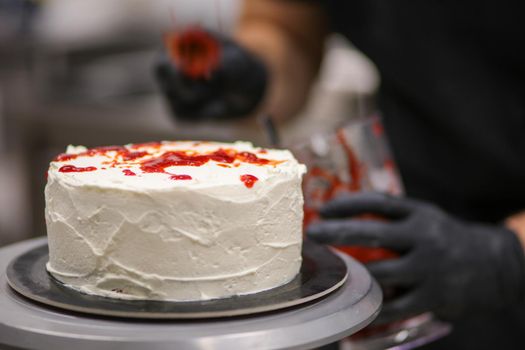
(197, 53)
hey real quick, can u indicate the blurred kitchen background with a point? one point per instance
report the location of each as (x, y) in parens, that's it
(80, 72)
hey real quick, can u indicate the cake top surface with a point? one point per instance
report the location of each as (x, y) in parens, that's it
(166, 164)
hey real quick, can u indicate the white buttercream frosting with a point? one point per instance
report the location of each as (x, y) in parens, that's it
(120, 226)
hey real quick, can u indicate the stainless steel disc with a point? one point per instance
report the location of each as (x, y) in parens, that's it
(33, 325)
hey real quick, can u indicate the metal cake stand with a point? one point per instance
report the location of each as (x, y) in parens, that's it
(30, 325)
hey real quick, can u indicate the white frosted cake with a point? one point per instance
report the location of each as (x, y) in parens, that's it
(174, 220)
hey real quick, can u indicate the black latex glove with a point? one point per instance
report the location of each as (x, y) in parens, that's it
(233, 89)
(451, 267)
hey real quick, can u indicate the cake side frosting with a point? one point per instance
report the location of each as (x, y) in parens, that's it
(174, 220)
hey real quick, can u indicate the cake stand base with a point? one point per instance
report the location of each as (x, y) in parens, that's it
(26, 324)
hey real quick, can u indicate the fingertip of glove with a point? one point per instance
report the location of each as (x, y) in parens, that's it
(326, 211)
(312, 230)
(344, 201)
(315, 233)
(332, 208)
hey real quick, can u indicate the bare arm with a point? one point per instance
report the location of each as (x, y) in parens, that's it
(516, 223)
(288, 36)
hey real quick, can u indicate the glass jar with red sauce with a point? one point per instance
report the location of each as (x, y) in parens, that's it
(356, 157)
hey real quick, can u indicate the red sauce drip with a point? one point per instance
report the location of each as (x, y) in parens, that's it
(65, 157)
(353, 163)
(128, 172)
(181, 158)
(74, 169)
(171, 158)
(220, 156)
(252, 158)
(90, 152)
(263, 151)
(377, 128)
(126, 154)
(336, 185)
(180, 177)
(327, 185)
(133, 155)
(389, 164)
(249, 180)
(195, 51)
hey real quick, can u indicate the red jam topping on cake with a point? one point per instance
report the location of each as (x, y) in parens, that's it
(120, 152)
(74, 169)
(180, 177)
(190, 158)
(133, 155)
(156, 157)
(249, 180)
(183, 158)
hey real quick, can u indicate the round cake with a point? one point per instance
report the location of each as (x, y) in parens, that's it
(174, 220)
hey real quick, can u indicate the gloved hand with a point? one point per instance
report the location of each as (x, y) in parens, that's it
(446, 265)
(232, 89)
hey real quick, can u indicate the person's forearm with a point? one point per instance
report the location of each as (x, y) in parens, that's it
(288, 36)
(516, 223)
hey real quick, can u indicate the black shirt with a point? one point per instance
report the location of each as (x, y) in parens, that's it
(453, 99)
(452, 94)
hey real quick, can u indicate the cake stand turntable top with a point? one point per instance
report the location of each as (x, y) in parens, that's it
(27, 324)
